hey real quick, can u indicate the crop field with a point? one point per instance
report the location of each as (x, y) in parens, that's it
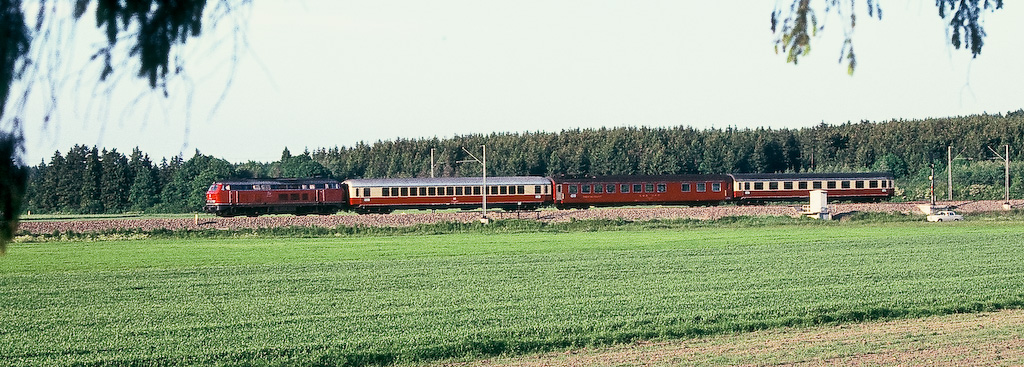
(424, 298)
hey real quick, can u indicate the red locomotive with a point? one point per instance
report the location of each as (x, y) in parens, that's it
(326, 196)
(275, 196)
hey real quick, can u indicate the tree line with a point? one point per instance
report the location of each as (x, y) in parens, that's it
(92, 180)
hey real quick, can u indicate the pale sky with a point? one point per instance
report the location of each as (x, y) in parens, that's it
(325, 73)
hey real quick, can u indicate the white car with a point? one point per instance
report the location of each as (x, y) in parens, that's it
(945, 216)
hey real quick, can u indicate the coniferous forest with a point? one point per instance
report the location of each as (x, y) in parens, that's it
(93, 180)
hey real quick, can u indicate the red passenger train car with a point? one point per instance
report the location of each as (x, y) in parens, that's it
(388, 194)
(763, 187)
(583, 192)
(275, 196)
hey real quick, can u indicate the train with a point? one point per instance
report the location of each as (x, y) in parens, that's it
(254, 197)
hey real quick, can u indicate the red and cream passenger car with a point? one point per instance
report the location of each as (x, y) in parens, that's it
(388, 194)
(585, 192)
(274, 196)
(761, 187)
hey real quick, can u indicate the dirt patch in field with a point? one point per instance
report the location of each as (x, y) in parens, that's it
(982, 339)
(409, 219)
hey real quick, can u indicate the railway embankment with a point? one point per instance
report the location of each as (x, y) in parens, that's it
(411, 218)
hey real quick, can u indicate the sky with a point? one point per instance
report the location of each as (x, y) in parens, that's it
(326, 73)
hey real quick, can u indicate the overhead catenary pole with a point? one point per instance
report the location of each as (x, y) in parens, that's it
(484, 175)
(1006, 172)
(431, 162)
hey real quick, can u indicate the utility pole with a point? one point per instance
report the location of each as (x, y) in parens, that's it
(483, 162)
(431, 162)
(931, 178)
(949, 171)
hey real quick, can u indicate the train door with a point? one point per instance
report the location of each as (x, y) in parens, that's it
(559, 196)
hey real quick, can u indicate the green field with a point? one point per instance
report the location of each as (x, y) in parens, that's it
(421, 298)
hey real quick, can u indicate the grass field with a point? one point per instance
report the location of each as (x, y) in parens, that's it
(421, 298)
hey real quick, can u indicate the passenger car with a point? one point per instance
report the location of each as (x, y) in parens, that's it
(945, 216)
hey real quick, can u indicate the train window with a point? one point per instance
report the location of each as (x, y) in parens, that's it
(449, 190)
(572, 189)
(305, 196)
(494, 190)
(788, 185)
(716, 186)
(599, 189)
(802, 185)
(385, 192)
(662, 187)
(702, 187)
(394, 191)
(758, 185)
(405, 191)
(458, 190)
(873, 184)
(624, 188)
(637, 187)
(773, 186)
(476, 190)
(830, 184)
(859, 184)
(423, 191)
(816, 185)
(536, 189)
(431, 191)
(545, 189)
(585, 189)
(413, 191)
(845, 184)
(282, 197)
(649, 188)
(366, 191)
(504, 190)
(520, 189)
(610, 188)
(685, 187)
